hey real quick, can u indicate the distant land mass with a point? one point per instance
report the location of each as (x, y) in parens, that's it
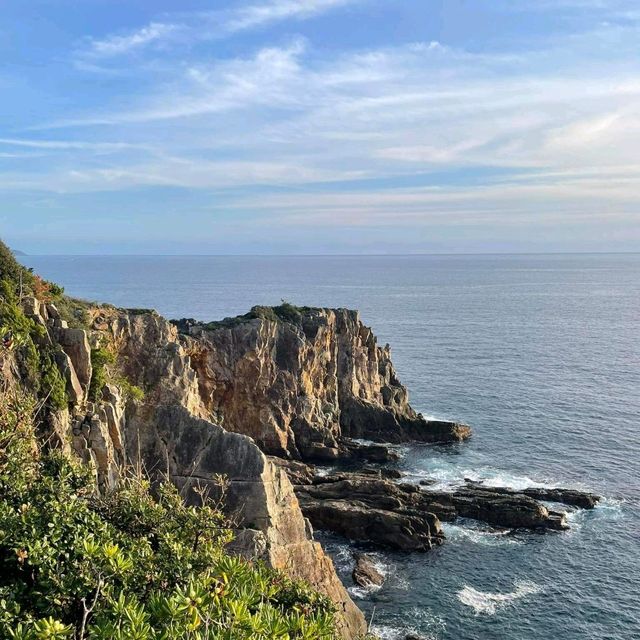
(17, 252)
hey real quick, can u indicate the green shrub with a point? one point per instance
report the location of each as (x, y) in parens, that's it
(285, 312)
(129, 390)
(52, 383)
(100, 359)
(127, 566)
(12, 271)
(34, 354)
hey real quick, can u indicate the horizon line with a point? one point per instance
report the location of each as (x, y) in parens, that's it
(317, 255)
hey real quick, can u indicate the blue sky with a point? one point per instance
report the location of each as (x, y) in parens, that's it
(320, 126)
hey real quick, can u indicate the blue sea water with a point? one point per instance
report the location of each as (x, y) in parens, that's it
(539, 353)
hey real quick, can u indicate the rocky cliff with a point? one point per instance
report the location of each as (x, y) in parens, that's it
(300, 381)
(173, 432)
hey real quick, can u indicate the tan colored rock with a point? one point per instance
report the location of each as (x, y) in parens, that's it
(76, 345)
(74, 389)
(259, 497)
(298, 388)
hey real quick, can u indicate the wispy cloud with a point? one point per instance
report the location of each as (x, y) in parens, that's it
(119, 44)
(295, 135)
(67, 144)
(258, 15)
(199, 26)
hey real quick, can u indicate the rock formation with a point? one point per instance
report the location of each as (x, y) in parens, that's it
(369, 507)
(172, 433)
(299, 385)
(238, 408)
(365, 574)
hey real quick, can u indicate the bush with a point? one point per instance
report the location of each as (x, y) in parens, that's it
(127, 565)
(285, 312)
(34, 354)
(12, 271)
(129, 390)
(100, 359)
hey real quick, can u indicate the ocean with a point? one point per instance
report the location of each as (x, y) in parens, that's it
(540, 354)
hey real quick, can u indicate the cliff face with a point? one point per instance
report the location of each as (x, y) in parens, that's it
(171, 433)
(299, 387)
(218, 398)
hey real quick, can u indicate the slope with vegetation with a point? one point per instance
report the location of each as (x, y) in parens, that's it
(129, 563)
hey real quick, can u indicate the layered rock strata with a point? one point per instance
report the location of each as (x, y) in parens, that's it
(299, 386)
(369, 507)
(172, 433)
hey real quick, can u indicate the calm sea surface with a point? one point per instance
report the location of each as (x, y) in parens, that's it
(540, 354)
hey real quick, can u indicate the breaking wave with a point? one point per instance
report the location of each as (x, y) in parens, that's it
(485, 602)
(473, 532)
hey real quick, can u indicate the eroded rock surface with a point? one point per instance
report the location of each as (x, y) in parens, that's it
(172, 433)
(365, 574)
(370, 506)
(299, 387)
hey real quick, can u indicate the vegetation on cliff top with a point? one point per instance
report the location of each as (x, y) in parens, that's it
(284, 312)
(128, 565)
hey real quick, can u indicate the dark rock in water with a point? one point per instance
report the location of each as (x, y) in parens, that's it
(358, 521)
(570, 497)
(298, 472)
(387, 474)
(370, 508)
(351, 451)
(365, 573)
(427, 482)
(414, 636)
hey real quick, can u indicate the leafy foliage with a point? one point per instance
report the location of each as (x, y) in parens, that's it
(129, 390)
(128, 565)
(284, 312)
(100, 359)
(35, 354)
(46, 291)
(12, 271)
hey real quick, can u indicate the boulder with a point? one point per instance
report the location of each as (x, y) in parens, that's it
(365, 573)
(360, 522)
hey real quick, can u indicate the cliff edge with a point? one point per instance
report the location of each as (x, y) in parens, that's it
(301, 380)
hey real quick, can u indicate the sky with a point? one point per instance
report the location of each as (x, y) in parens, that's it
(319, 126)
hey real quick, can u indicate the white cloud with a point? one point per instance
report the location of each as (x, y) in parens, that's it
(67, 144)
(284, 118)
(258, 15)
(196, 27)
(119, 44)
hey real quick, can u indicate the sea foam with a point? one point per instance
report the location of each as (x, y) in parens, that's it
(485, 602)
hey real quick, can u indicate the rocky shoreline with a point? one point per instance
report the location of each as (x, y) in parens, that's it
(260, 399)
(374, 506)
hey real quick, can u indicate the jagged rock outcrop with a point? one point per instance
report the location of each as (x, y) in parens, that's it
(299, 385)
(371, 508)
(570, 497)
(172, 433)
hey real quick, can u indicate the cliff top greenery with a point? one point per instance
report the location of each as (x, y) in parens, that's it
(285, 312)
(130, 565)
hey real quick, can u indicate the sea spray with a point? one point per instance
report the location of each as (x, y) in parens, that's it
(486, 602)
